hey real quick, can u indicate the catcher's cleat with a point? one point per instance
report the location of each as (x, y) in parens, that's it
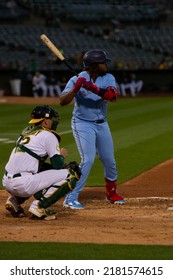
(114, 198)
(43, 213)
(14, 208)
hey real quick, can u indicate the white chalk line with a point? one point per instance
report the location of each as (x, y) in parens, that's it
(149, 197)
(154, 198)
(65, 132)
(8, 140)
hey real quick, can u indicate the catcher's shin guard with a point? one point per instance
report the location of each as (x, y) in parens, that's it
(41, 193)
(111, 193)
(61, 191)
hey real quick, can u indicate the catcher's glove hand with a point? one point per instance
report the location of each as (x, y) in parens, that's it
(75, 166)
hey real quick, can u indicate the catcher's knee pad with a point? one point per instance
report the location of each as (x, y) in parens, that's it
(72, 178)
(60, 191)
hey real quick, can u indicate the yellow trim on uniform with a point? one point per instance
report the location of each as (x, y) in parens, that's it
(36, 120)
(58, 148)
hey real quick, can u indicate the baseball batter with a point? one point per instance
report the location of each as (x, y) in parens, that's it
(27, 173)
(92, 90)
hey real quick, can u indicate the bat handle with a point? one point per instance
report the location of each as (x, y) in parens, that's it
(71, 68)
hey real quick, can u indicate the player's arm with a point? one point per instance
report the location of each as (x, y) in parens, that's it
(56, 154)
(75, 86)
(110, 93)
(66, 98)
(57, 161)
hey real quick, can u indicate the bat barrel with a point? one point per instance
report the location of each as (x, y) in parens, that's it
(55, 50)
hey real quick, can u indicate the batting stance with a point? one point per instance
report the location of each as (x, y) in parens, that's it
(91, 92)
(27, 173)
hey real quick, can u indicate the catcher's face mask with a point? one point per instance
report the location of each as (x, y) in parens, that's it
(44, 112)
(54, 125)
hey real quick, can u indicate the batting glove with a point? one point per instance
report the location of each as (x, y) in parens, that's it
(79, 82)
(91, 87)
(110, 93)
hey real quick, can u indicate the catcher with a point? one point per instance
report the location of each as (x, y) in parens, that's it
(28, 174)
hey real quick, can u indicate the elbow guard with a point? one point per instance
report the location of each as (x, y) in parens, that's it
(110, 93)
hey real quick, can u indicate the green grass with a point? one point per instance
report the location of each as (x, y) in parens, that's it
(141, 130)
(142, 133)
(76, 251)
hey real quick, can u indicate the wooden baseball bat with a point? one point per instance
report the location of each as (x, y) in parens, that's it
(55, 50)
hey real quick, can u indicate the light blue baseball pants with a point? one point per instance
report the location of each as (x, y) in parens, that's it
(91, 139)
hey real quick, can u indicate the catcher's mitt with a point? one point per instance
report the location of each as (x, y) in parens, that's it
(75, 166)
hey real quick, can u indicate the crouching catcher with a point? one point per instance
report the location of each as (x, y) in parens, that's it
(27, 172)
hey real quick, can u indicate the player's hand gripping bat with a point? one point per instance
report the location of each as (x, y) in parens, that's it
(55, 50)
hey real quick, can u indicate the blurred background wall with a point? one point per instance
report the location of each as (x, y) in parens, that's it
(137, 36)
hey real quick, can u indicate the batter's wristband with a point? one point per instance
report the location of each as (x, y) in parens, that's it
(102, 92)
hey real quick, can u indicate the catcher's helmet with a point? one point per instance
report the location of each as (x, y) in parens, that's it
(39, 113)
(95, 56)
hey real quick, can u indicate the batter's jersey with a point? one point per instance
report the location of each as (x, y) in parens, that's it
(42, 143)
(87, 105)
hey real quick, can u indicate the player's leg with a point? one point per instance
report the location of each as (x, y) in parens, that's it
(106, 155)
(35, 91)
(51, 91)
(13, 205)
(132, 88)
(57, 89)
(85, 136)
(139, 85)
(27, 185)
(16, 198)
(48, 196)
(123, 89)
(44, 89)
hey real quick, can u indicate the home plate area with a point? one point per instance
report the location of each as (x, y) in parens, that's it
(145, 218)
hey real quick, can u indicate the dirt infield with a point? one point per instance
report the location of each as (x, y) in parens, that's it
(144, 219)
(28, 100)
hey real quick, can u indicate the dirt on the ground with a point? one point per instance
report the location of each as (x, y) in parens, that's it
(144, 219)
